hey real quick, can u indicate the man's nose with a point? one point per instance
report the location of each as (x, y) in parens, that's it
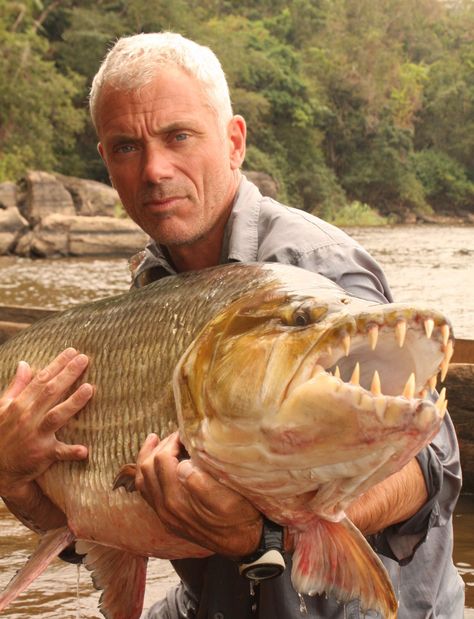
(157, 164)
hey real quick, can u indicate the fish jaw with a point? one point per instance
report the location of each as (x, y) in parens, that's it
(269, 392)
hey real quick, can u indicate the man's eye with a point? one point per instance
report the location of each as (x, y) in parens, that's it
(124, 148)
(181, 137)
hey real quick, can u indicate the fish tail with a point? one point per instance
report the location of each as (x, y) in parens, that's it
(120, 575)
(50, 546)
(335, 559)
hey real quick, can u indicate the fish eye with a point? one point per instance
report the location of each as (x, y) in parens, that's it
(301, 318)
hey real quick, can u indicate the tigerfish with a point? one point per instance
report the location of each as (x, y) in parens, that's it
(283, 386)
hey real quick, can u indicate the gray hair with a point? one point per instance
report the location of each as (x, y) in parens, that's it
(134, 61)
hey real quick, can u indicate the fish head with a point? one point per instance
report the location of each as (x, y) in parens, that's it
(313, 374)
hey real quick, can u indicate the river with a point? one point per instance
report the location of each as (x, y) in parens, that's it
(432, 264)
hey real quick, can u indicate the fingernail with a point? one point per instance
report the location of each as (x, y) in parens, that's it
(81, 360)
(22, 366)
(184, 469)
(86, 390)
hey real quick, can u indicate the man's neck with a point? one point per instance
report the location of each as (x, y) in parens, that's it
(194, 257)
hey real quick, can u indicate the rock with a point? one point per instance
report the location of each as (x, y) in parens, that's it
(12, 225)
(91, 197)
(51, 236)
(77, 235)
(266, 184)
(104, 236)
(8, 195)
(46, 195)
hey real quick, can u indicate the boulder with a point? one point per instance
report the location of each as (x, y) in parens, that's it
(91, 197)
(105, 236)
(51, 236)
(46, 195)
(12, 225)
(8, 195)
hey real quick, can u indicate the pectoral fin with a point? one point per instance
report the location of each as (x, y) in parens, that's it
(121, 576)
(51, 544)
(126, 478)
(334, 558)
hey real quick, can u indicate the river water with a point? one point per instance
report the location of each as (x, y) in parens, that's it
(432, 264)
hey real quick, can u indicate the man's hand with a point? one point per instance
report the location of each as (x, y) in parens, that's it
(192, 504)
(31, 411)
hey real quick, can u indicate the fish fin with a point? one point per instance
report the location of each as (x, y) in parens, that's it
(335, 558)
(50, 546)
(125, 478)
(120, 575)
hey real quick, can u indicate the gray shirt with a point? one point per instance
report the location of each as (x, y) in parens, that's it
(418, 552)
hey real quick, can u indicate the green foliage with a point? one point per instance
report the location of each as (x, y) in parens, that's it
(39, 120)
(357, 214)
(351, 105)
(445, 181)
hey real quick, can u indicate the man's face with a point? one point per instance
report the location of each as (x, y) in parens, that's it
(171, 162)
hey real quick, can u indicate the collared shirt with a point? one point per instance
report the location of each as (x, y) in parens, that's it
(418, 552)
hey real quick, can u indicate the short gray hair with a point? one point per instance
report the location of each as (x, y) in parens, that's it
(134, 61)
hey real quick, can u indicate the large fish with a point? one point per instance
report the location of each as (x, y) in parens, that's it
(283, 386)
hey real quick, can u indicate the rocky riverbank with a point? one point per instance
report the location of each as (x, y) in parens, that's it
(46, 215)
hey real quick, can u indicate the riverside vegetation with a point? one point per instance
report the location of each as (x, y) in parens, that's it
(355, 107)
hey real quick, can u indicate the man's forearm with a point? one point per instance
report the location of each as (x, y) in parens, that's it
(393, 500)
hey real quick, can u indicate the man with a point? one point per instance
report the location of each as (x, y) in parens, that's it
(173, 150)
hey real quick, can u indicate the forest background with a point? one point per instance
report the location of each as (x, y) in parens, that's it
(355, 107)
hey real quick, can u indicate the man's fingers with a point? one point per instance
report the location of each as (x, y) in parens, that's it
(45, 389)
(21, 379)
(147, 448)
(58, 416)
(69, 453)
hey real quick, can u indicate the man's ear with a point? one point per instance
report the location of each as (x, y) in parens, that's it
(100, 148)
(237, 133)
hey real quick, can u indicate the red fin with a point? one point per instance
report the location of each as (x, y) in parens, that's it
(51, 544)
(126, 478)
(335, 558)
(121, 575)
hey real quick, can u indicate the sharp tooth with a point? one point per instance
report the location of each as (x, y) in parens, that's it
(375, 387)
(448, 353)
(346, 344)
(449, 349)
(380, 406)
(432, 382)
(409, 390)
(373, 335)
(441, 403)
(444, 369)
(337, 372)
(355, 378)
(445, 334)
(400, 332)
(429, 326)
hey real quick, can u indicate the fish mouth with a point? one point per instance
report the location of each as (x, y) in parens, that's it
(379, 357)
